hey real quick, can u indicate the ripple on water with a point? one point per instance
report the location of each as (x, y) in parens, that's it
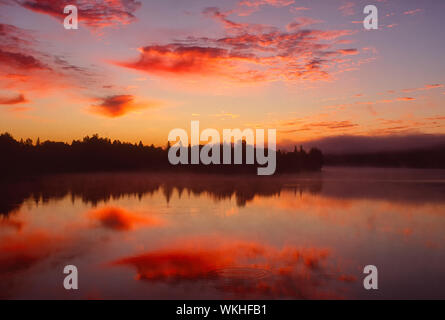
(239, 273)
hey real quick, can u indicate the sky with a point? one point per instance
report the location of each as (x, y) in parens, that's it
(134, 70)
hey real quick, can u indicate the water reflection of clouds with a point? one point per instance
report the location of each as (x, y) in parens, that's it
(22, 251)
(286, 237)
(241, 268)
(24, 245)
(119, 219)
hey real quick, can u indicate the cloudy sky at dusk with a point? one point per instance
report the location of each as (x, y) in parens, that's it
(134, 70)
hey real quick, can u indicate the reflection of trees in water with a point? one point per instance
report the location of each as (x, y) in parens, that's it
(244, 189)
(95, 188)
(398, 187)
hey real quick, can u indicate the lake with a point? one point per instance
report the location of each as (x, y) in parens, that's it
(189, 236)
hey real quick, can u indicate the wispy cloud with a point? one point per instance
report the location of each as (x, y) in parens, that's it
(347, 8)
(317, 126)
(426, 87)
(246, 7)
(95, 14)
(406, 99)
(248, 53)
(19, 98)
(412, 12)
(301, 22)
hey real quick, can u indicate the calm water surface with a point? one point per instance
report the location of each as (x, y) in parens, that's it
(161, 236)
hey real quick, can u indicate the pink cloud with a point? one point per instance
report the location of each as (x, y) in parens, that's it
(301, 22)
(248, 53)
(412, 12)
(347, 9)
(100, 13)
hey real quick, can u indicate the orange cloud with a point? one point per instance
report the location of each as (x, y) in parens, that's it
(119, 105)
(332, 125)
(180, 60)
(19, 98)
(406, 99)
(119, 219)
(348, 52)
(433, 86)
(426, 87)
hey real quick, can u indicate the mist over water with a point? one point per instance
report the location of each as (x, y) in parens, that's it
(173, 236)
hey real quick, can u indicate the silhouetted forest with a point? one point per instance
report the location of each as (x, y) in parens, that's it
(96, 154)
(428, 158)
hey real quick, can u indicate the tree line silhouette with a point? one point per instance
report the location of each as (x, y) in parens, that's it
(97, 154)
